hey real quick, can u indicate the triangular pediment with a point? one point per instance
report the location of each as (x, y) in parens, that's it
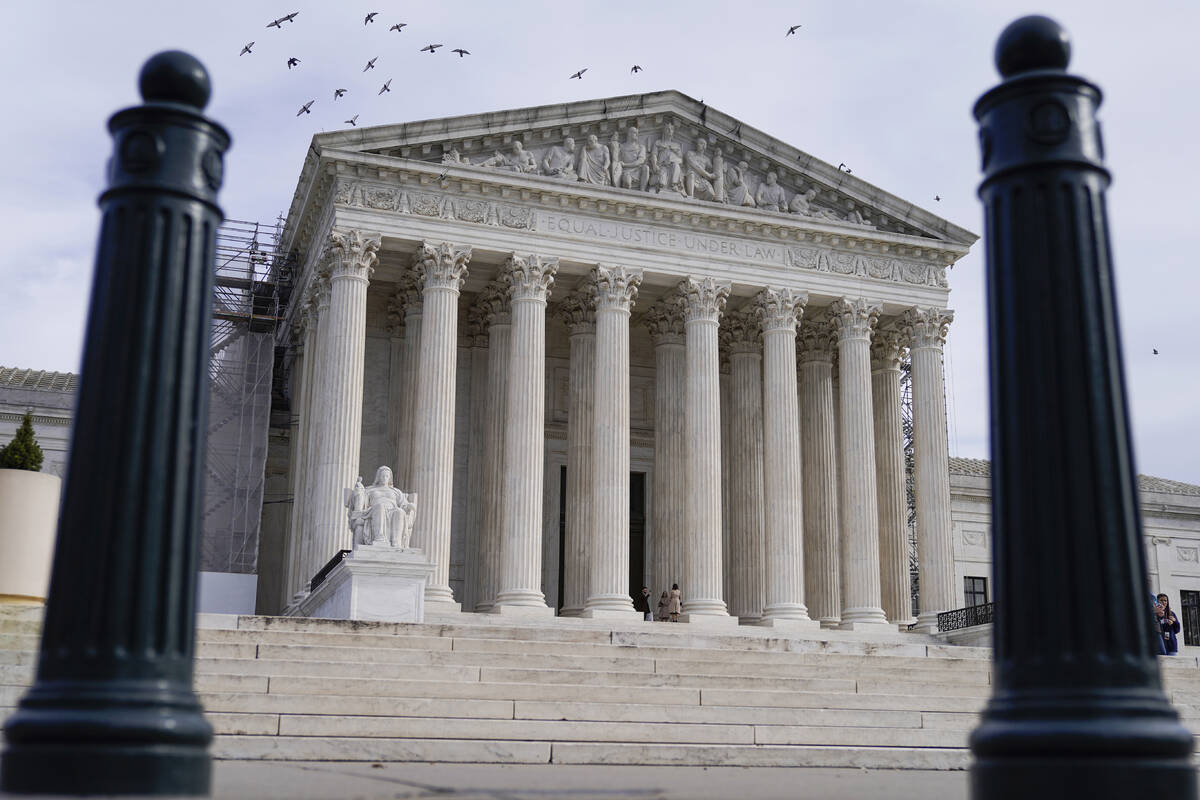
(682, 149)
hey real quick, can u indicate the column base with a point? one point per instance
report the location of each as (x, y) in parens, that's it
(710, 620)
(440, 594)
(611, 613)
(511, 610)
(927, 622)
(865, 619)
(620, 603)
(574, 611)
(789, 624)
(868, 627)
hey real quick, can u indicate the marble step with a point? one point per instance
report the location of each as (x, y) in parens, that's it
(314, 748)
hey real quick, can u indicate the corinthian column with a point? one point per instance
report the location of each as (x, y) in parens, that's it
(477, 333)
(886, 349)
(780, 310)
(440, 269)
(302, 394)
(862, 609)
(339, 378)
(704, 299)
(408, 293)
(530, 278)
(493, 306)
(665, 322)
(927, 328)
(745, 476)
(395, 407)
(314, 439)
(608, 588)
(578, 312)
(822, 523)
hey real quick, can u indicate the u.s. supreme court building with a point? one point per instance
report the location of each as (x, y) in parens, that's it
(618, 343)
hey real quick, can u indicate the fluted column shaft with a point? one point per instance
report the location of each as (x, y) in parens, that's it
(783, 489)
(476, 455)
(579, 313)
(340, 379)
(704, 299)
(860, 515)
(524, 462)
(608, 587)
(890, 478)
(822, 561)
(490, 534)
(408, 398)
(931, 457)
(665, 321)
(396, 386)
(441, 269)
(745, 477)
(294, 579)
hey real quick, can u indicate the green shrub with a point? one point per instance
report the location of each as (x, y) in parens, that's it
(23, 451)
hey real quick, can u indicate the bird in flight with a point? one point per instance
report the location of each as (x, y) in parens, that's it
(461, 52)
(937, 198)
(246, 49)
(293, 62)
(398, 27)
(793, 29)
(635, 69)
(353, 121)
(304, 109)
(579, 74)
(844, 168)
(338, 93)
(387, 86)
(1155, 350)
(370, 17)
(286, 18)
(371, 64)
(431, 48)
(442, 177)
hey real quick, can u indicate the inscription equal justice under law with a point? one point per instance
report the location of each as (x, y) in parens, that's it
(648, 236)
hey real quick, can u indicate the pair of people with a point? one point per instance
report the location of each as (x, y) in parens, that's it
(669, 605)
(1168, 626)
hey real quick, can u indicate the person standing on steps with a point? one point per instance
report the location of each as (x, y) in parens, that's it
(663, 603)
(1168, 625)
(642, 603)
(676, 603)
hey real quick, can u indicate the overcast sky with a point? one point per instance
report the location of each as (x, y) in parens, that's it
(886, 87)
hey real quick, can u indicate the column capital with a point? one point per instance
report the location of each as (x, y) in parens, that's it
(493, 304)
(927, 326)
(887, 348)
(780, 309)
(395, 315)
(320, 293)
(741, 332)
(816, 340)
(530, 276)
(664, 319)
(441, 265)
(354, 252)
(704, 298)
(616, 287)
(578, 309)
(854, 318)
(408, 290)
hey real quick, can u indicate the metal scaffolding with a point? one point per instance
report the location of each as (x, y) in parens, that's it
(251, 275)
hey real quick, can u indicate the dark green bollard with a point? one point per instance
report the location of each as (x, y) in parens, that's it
(1078, 708)
(112, 709)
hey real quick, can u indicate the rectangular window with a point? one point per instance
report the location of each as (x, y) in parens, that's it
(975, 590)
(1190, 618)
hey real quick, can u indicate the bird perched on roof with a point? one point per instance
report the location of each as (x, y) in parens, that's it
(635, 69)
(338, 93)
(387, 86)
(579, 74)
(461, 52)
(353, 121)
(246, 49)
(293, 62)
(793, 29)
(399, 27)
(370, 17)
(431, 48)
(371, 64)
(844, 168)
(286, 18)
(304, 109)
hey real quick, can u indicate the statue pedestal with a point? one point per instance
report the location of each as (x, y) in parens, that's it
(373, 582)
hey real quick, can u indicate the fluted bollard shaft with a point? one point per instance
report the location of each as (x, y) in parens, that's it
(494, 305)
(1077, 706)
(529, 279)
(578, 311)
(822, 558)
(665, 322)
(745, 565)
(886, 350)
(441, 269)
(111, 710)
(704, 300)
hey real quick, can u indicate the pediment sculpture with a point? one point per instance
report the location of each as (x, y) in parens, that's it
(380, 514)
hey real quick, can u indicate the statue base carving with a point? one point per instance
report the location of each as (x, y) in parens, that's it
(373, 582)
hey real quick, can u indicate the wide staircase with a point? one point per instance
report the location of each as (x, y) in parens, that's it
(578, 692)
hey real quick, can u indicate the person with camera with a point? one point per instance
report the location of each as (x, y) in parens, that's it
(1168, 625)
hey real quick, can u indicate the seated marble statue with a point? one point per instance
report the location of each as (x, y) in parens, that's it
(737, 191)
(454, 157)
(666, 161)
(698, 176)
(380, 514)
(854, 216)
(560, 161)
(629, 167)
(802, 203)
(770, 195)
(595, 162)
(518, 160)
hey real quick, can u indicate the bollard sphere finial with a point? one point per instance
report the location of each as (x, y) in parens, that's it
(174, 76)
(1032, 43)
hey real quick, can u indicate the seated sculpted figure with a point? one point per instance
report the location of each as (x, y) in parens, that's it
(770, 195)
(666, 161)
(595, 162)
(629, 168)
(381, 514)
(454, 157)
(517, 160)
(698, 176)
(560, 161)
(854, 216)
(738, 191)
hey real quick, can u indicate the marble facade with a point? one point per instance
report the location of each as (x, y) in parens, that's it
(482, 302)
